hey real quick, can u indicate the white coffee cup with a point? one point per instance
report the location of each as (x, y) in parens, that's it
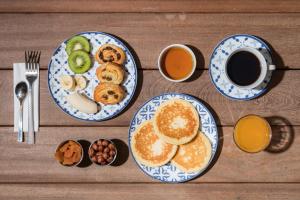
(264, 67)
(162, 53)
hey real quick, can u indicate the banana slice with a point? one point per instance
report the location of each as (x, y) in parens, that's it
(80, 82)
(82, 103)
(67, 82)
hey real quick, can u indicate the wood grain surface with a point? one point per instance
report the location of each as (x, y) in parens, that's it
(149, 33)
(26, 163)
(283, 99)
(110, 6)
(30, 171)
(150, 191)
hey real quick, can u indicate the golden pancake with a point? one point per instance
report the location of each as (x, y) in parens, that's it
(176, 121)
(193, 156)
(148, 148)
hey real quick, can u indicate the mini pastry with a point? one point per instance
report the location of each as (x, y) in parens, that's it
(110, 53)
(108, 93)
(110, 73)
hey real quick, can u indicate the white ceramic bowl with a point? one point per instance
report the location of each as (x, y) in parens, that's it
(162, 53)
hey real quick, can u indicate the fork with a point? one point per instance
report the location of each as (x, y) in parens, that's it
(32, 60)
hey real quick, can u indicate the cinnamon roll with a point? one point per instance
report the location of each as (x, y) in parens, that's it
(110, 53)
(110, 73)
(108, 93)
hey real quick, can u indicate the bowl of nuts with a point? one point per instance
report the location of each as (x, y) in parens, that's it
(102, 152)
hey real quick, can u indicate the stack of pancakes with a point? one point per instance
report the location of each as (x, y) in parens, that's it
(172, 135)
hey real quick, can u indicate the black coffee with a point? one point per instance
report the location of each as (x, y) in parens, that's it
(243, 68)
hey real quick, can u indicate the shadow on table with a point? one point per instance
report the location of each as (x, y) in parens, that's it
(220, 135)
(282, 134)
(139, 75)
(123, 152)
(200, 63)
(85, 161)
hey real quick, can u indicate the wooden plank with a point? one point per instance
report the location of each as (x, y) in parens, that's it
(35, 163)
(149, 33)
(282, 100)
(150, 191)
(203, 6)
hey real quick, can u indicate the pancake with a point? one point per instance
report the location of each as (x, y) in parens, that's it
(193, 156)
(176, 121)
(149, 149)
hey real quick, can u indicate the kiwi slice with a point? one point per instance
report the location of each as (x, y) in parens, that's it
(78, 43)
(79, 61)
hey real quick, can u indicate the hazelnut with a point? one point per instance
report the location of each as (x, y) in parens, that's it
(99, 153)
(95, 147)
(91, 152)
(112, 153)
(100, 159)
(99, 142)
(100, 148)
(94, 159)
(111, 146)
(105, 156)
(106, 150)
(109, 159)
(105, 143)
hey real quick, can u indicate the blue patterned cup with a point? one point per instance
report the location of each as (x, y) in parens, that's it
(263, 65)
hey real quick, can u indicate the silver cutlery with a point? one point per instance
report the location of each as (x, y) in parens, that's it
(21, 92)
(32, 60)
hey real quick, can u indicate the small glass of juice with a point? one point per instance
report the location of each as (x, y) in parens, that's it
(252, 133)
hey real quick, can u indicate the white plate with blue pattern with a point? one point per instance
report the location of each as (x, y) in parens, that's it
(218, 60)
(169, 173)
(59, 66)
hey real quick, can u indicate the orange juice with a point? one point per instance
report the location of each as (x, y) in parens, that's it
(252, 133)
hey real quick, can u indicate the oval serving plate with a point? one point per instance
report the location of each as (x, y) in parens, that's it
(169, 173)
(58, 66)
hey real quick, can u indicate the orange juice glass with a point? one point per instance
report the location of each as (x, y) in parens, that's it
(252, 133)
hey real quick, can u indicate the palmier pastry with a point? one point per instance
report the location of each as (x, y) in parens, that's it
(108, 93)
(110, 73)
(110, 53)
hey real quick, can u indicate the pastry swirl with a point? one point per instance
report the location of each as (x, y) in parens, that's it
(108, 93)
(110, 53)
(110, 73)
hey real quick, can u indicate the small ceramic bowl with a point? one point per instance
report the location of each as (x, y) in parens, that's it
(82, 152)
(92, 149)
(161, 56)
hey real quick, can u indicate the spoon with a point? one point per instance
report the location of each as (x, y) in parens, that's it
(21, 92)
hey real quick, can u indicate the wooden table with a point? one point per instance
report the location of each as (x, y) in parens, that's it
(30, 171)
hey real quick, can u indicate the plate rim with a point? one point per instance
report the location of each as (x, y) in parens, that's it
(210, 59)
(212, 156)
(135, 69)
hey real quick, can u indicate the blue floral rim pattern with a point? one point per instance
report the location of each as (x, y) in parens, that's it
(217, 65)
(58, 66)
(169, 173)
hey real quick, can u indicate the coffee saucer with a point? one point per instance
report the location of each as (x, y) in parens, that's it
(218, 61)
